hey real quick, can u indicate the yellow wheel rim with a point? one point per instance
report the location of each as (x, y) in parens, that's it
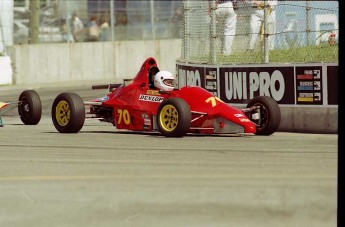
(168, 118)
(62, 113)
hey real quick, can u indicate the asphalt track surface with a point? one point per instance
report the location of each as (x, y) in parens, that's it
(106, 177)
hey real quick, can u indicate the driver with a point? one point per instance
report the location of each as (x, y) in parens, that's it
(152, 72)
(164, 81)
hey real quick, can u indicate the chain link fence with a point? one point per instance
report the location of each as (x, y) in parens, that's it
(125, 20)
(303, 31)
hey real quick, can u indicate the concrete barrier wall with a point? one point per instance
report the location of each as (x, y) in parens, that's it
(97, 61)
(309, 119)
(114, 61)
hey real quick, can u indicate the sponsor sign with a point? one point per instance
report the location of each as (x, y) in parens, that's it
(286, 84)
(237, 85)
(152, 92)
(205, 77)
(191, 76)
(103, 99)
(211, 81)
(150, 98)
(309, 85)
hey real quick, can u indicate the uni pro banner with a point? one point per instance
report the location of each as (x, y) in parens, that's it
(238, 84)
(296, 84)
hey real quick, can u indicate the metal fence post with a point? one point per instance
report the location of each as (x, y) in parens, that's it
(112, 20)
(152, 20)
(186, 31)
(266, 49)
(213, 31)
(307, 22)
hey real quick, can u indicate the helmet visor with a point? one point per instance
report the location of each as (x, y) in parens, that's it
(168, 82)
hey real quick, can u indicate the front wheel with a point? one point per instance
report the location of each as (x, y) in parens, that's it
(68, 113)
(173, 117)
(30, 107)
(266, 117)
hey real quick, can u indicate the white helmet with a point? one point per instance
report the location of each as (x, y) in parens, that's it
(164, 80)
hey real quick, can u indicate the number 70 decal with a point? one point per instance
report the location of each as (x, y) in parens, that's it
(213, 100)
(124, 115)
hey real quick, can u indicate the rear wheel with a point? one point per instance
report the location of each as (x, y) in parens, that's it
(30, 107)
(269, 115)
(173, 117)
(68, 113)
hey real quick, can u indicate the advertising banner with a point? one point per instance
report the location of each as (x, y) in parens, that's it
(237, 85)
(205, 77)
(309, 85)
(290, 85)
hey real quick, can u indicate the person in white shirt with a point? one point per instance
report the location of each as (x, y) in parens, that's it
(77, 27)
(257, 21)
(227, 17)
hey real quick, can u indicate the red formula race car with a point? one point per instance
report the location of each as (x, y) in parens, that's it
(136, 105)
(29, 107)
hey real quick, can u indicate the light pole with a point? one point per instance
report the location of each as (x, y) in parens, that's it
(112, 20)
(34, 21)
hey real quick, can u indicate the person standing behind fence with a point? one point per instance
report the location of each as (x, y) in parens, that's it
(105, 28)
(257, 21)
(226, 17)
(93, 30)
(176, 22)
(65, 31)
(77, 27)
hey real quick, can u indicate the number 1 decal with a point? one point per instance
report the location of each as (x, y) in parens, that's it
(124, 115)
(213, 100)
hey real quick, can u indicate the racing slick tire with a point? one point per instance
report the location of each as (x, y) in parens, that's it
(30, 107)
(269, 113)
(173, 117)
(68, 113)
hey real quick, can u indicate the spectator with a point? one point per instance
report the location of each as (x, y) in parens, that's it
(226, 19)
(77, 27)
(176, 23)
(332, 39)
(93, 30)
(65, 32)
(257, 21)
(105, 29)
